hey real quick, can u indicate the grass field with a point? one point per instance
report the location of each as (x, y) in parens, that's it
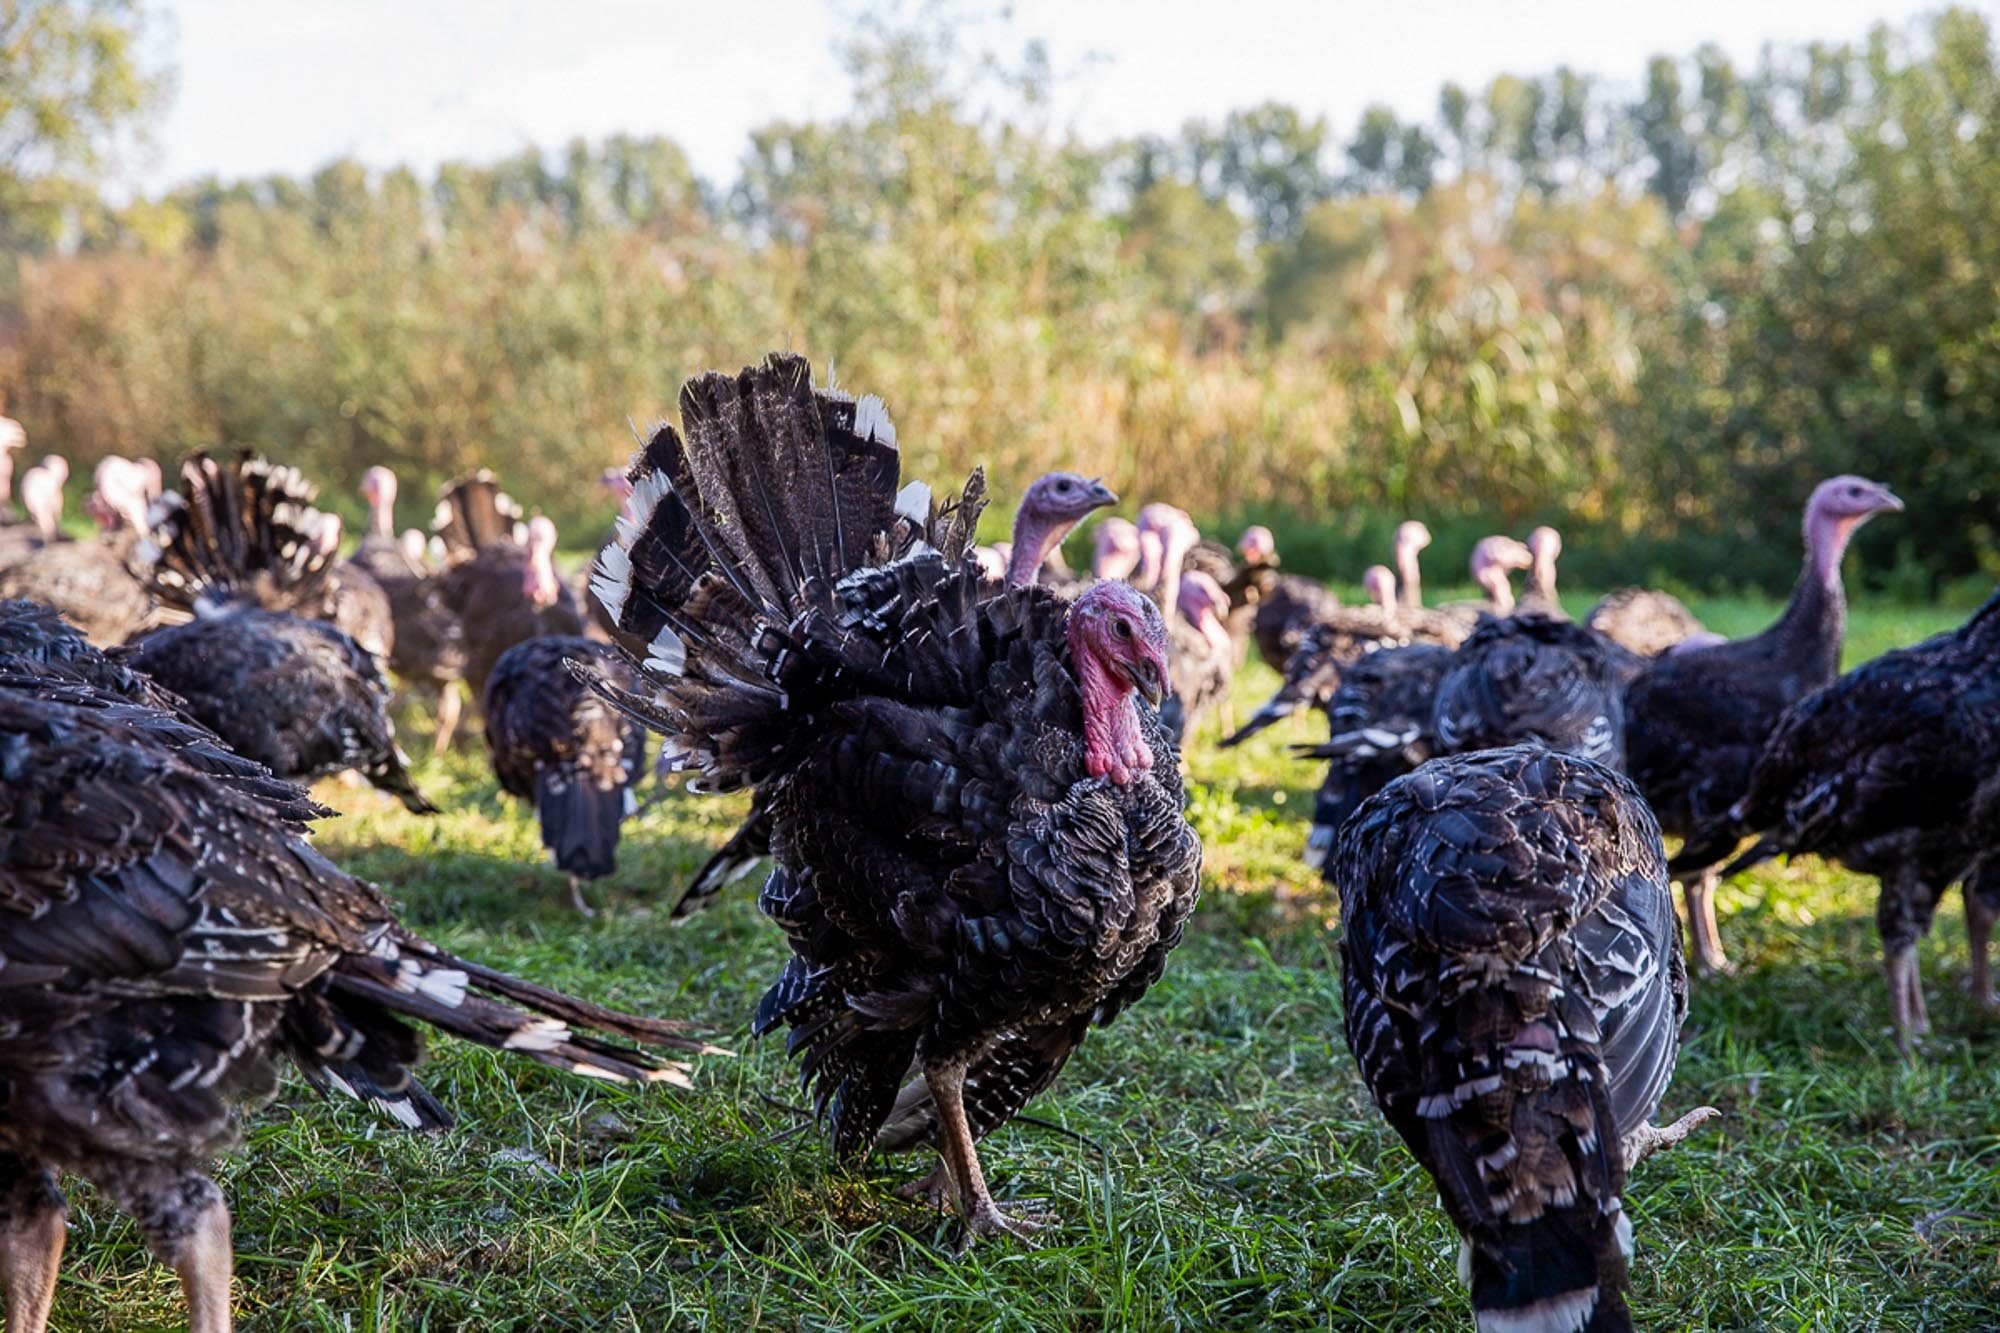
(1222, 1166)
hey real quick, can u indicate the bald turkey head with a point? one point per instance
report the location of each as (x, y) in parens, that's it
(1119, 645)
(1257, 546)
(378, 488)
(1057, 502)
(1838, 506)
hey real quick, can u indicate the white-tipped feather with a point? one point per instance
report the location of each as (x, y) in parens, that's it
(541, 1034)
(404, 1113)
(647, 492)
(446, 985)
(611, 580)
(666, 654)
(598, 1071)
(871, 422)
(914, 501)
(1567, 1313)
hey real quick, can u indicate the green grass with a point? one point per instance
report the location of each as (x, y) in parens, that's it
(1227, 1170)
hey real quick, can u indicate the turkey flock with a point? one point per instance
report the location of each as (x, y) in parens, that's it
(964, 766)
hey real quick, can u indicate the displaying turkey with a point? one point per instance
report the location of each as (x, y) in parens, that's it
(428, 647)
(558, 745)
(1889, 770)
(1051, 506)
(1532, 678)
(501, 580)
(1695, 721)
(979, 845)
(168, 934)
(1380, 727)
(1514, 992)
(90, 582)
(239, 547)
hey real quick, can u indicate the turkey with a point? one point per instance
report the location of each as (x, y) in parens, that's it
(1514, 992)
(978, 838)
(1890, 771)
(1327, 648)
(1114, 546)
(1545, 547)
(239, 548)
(12, 436)
(1286, 607)
(1051, 507)
(89, 582)
(1201, 659)
(353, 601)
(1379, 728)
(168, 934)
(427, 648)
(1648, 623)
(1532, 678)
(558, 745)
(41, 492)
(1696, 720)
(503, 588)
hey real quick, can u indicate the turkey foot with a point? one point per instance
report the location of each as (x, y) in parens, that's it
(576, 897)
(933, 1191)
(1646, 1140)
(1709, 958)
(991, 1221)
(958, 1160)
(1906, 997)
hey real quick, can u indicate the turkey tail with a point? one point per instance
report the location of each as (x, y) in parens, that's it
(1560, 1268)
(777, 494)
(474, 513)
(1564, 1272)
(847, 1062)
(236, 531)
(733, 860)
(356, 1043)
(580, 819)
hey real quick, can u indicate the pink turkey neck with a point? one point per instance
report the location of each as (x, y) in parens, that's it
(1034, 538)
(1412, 581)
(382, 515)
(1112, 745)
(1827, 536)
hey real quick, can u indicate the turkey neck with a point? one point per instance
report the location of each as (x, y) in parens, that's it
(382, 517)
(1034, 538)
(1178, 546)
(1110, 721)
(1815, 620)
(1410, 578)
(1542, 580)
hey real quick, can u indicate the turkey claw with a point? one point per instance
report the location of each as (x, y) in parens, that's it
(933, 1191)
(988, 1221)
(1646, 1140)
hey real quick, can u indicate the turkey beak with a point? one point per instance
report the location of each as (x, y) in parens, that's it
(1102, 495)
(1890, 502)
(1147, 677)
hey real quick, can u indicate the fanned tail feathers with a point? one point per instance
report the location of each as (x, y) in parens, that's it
(738, 547)
(474, 513)
(239, 530)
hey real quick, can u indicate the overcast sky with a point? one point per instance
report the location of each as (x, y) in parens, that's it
(285, 85)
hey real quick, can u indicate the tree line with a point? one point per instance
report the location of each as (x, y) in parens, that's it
(1655, 311)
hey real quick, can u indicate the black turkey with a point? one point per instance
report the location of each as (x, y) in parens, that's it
(978, 838)
(1889, 770)
(91, 582)
(167, 933)
(1695, 721)
(501, 580)
(1380, 727)
(1532, 678)
(1051, 506)
(240, 547)
(1514, 992)
(558, 745)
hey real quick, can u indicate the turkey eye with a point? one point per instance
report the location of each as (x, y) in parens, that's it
(1122, 628)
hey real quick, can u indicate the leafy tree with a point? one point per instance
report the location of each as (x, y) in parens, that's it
(72, 87)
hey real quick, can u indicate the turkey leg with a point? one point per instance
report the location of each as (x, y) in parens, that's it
(1700, 895)
(1982, 906)
(31, 1243)
(960, 1158)
(1646, 1140)
(450, 704)
(186, 1224)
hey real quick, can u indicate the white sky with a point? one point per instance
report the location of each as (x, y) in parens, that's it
(286, 85)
